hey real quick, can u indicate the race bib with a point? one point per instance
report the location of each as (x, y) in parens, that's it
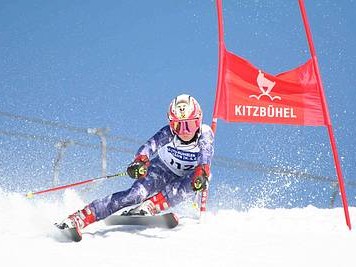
(179, 159)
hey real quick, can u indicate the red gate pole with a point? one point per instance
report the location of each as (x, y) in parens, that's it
(326, 113)
(204, 196)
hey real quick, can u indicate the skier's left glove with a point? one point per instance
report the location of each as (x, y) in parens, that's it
(138, 168)
(200, 179)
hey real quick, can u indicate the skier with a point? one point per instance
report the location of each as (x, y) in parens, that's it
(168, 168)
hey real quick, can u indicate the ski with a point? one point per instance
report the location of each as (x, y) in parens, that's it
(72, 234)
(168, 220)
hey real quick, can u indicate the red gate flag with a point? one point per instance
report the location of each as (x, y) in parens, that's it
(248, 94)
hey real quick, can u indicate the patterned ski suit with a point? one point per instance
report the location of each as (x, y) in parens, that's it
(171, 168)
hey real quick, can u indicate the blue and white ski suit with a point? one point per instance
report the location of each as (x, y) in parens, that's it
(171, 168)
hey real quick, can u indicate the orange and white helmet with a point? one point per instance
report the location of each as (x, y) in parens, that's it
(185, 115)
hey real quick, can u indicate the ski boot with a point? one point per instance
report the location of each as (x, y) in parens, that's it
(77, 221)
(150, 206)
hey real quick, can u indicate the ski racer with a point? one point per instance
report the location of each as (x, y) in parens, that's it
(168, 168)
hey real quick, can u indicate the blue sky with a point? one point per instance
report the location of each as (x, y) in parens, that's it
(117, 64)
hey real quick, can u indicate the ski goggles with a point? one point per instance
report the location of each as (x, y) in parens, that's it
(185, 126)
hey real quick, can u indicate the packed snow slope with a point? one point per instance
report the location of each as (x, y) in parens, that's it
(258, 237)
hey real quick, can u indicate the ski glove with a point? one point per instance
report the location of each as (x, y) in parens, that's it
(138, 168)
(200, 179)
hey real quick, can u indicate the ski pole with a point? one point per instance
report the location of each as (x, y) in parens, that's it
(31, 194)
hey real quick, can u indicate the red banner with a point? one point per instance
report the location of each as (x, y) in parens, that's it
(248, 94)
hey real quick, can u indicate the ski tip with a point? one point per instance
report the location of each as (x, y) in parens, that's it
(176, 217)
(174, 222)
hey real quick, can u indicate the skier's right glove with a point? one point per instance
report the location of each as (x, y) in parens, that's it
(138, 168)
(200, 179)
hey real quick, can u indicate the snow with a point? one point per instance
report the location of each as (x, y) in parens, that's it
(259, 237)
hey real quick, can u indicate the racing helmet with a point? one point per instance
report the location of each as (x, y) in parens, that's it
(185, 116)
